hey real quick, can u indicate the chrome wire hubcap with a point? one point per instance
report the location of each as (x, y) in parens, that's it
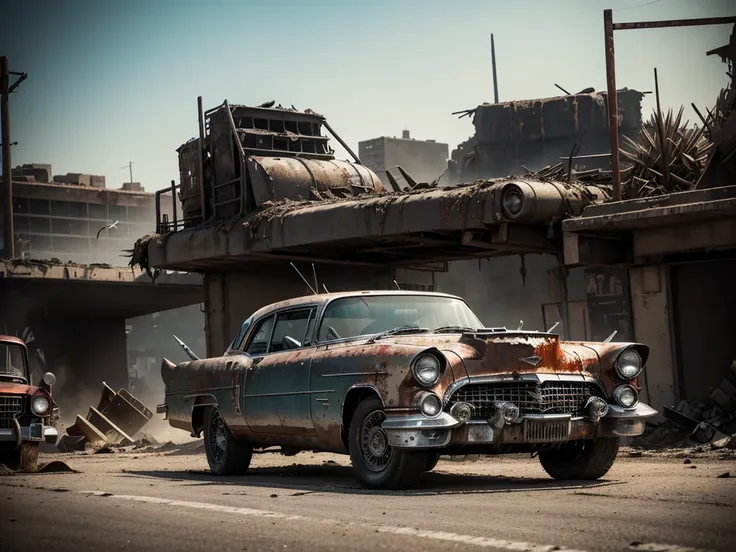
(374, 442)
(218, 438)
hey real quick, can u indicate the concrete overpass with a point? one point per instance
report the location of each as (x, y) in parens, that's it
(77, 315)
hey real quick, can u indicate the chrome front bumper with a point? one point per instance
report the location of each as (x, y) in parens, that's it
(419, 431)
(35, 432)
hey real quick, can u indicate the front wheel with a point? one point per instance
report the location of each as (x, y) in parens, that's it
(376, 462)
(432, 459)
(23, 458)
(589, 459)
(226, 455)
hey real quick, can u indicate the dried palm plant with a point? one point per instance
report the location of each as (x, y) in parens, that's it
(668, 157)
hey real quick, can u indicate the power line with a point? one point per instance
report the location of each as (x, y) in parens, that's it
(637, 6)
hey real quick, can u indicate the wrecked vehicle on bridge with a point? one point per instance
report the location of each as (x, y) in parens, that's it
(396, 378)
(28, 414)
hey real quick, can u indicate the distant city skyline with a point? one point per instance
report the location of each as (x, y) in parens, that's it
(110, 83)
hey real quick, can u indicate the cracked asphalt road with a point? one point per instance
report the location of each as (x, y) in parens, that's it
(314, 502)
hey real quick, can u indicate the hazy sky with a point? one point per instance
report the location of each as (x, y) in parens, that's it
(112, 81)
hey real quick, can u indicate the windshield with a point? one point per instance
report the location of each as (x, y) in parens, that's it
(12, 361)
(373, 314)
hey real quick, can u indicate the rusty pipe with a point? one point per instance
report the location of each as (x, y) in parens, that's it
(200, 158)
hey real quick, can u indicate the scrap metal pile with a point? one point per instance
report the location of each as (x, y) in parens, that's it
(668, 157)
(698, 422)
(119, 416)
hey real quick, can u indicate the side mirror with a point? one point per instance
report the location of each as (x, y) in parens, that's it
(49, 379)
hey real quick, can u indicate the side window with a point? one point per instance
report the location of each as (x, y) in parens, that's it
(290, 330)
(259, 342)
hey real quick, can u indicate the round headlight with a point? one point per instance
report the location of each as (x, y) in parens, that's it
(512, 202)
(626, 396)
(40, 405)
(628, 364)
(426, 370)
(49, 379)
(430, 404)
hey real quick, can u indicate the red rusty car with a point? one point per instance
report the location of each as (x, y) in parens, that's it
(396, 378)
(27, 413)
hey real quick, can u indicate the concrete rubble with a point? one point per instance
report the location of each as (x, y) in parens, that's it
(116, 420)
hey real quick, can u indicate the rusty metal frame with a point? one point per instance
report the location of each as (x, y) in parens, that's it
(608, 28)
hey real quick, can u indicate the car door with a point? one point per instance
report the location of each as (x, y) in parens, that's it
(276, 394)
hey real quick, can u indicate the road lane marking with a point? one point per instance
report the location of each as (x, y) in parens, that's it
(660, 547)
(485, 542)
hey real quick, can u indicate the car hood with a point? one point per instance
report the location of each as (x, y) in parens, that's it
(10, 388)
(514, 352)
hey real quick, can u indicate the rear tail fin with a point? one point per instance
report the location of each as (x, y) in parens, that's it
(166, 368)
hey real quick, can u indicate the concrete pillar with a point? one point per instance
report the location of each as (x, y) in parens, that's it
(651, 310)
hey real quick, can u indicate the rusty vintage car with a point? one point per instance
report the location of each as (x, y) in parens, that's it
(396, 378)
(28, 414)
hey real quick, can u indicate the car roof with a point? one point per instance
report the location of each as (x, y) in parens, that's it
(321, 298)
(11, 339)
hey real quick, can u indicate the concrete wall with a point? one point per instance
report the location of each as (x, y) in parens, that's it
(651, 310)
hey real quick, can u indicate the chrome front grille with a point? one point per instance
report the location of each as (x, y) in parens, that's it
(558, 397)
(546, 430)
(10, 406)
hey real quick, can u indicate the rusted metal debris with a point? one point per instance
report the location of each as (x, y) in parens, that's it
(118, 417)
(668, 157)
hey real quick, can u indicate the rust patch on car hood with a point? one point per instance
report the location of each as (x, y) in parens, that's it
(8, 388)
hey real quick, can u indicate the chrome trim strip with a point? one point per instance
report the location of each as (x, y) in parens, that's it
(508, 378)
(420, 421)
(641, 410)
(337, 374)
(288, 393)
(534, 417)
(202, 391)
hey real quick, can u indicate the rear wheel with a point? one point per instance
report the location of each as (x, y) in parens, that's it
(376, 462)
(589, 459)
(23, 458)
(226, 455)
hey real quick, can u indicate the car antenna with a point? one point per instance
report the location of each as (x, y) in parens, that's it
(610, 337)
(521, 325)
(303, 278)
(314, 271)
(397, 285)
(326, 290)
(554, 326)
(187, 350)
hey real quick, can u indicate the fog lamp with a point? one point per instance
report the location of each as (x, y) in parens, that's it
(509, 412)
(597, 408)
(461, 411)
(626, 396)
(429, 404)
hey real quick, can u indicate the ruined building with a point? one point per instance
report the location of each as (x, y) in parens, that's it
(425, 160)
(512, 137)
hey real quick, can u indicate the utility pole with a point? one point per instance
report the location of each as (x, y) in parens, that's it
(493, 65)
(129, 166)
(8, 232)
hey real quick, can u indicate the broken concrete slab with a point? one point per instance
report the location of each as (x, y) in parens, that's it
(84, 427)
(113, 434)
